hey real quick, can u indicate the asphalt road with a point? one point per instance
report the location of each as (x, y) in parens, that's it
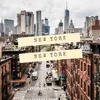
(47, 91)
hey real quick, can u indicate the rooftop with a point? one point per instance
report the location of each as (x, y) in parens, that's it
(4, 59)
(13, 51)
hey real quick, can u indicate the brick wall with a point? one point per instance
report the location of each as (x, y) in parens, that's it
(79, 78)
(0, 84)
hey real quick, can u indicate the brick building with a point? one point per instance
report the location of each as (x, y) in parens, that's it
(17, 68)
(94, 30)
(83, 75)
(79, 73)
(61, 71)
(5, 77)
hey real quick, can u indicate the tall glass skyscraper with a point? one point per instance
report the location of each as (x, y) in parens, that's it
(66, 19)
(38, 23)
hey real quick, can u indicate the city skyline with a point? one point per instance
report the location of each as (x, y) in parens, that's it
(53, 10)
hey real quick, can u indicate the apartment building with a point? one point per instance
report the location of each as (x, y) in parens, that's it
(82, 75)
(17, 68)
(79, 82)
(5, 77)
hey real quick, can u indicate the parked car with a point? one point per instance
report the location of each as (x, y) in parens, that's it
(34, 75)
(47, 65)
(49, 80)
(49, 73)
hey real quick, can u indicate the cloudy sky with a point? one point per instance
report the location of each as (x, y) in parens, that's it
(52, 9)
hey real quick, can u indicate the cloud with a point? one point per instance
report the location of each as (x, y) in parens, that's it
(52, 9)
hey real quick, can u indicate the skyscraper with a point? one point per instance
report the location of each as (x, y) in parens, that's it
(25, 22)
(46, 22)
(89, 22)
(60, 27)
(8, 25)
(45, 27)
(38, 23)
(1, 26)
(66, 19)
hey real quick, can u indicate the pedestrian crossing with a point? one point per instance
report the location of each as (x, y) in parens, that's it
(40, 88)
(19, 95)
(42, 99)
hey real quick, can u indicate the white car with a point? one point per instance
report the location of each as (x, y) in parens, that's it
(35, 75)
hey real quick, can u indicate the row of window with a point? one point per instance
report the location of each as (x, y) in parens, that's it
(82, 66)
(84, 88)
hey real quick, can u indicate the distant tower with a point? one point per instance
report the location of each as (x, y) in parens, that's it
(66, 19)
(60, 27)
(38, 23)
(71, 26)
(25, 22)
(1, 26)
(8, 25)
(46, 22)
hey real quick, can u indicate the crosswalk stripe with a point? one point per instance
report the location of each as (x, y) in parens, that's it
(19, 95)
(42, 99)
(42, 88)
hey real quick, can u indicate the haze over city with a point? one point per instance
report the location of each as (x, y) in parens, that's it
(49, 50)
(52, 9)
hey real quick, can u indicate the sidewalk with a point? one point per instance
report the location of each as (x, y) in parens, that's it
(59, 91)
(63, 95)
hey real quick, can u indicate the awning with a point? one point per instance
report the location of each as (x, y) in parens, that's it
(61, 77)
(23, 79)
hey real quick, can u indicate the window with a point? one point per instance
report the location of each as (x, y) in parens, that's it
(89, 71)
(78, 79)
(78, 94)
(72, 60)
(85, 86)
(84, 66)
(81, 82)
(81, 97)
(78, 63)
(89, 91)
(81, 66)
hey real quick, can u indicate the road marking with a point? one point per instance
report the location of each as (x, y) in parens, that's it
(40, 88)
(19, 95)
(42, 99)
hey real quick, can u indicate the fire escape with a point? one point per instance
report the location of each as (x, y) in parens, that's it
(96, 50)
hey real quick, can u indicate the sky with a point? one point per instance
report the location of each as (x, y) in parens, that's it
(51, 9)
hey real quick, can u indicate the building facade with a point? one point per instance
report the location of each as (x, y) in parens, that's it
(45, 27)
(66, 19)
(60, 27)
(79, 83)
(89, 22)
(83, 74)
(38, 23)
(94, 29)
(1, 27)
(5, 77)
(56, 30)
(72, 29)
(25, 22)
(8, 25)
(17, 68)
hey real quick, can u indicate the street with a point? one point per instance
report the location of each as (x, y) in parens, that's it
(30, 91)
(47, 91)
